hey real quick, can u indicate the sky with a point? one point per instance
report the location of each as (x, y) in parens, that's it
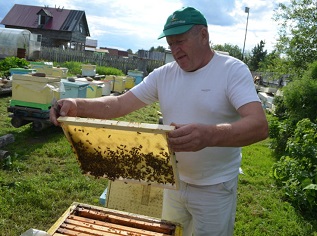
(136, 24)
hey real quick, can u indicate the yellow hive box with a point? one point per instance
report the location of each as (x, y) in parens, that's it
(119, 84)
(35, 89)
(59, 72)
(84, 219)
(94, 89)
(127, 81)
(117, 150)
(135, 198)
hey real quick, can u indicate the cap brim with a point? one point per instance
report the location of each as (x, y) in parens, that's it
(175, 30)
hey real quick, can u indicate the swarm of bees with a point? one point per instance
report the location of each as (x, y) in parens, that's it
(122, 161)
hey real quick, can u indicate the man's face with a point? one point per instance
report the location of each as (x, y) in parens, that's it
(186, 49)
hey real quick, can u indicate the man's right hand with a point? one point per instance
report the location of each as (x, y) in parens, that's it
(64, 107)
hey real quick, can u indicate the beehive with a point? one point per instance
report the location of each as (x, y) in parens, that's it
(118, 150)
(57, 72)
(35, 89)
(83, 219)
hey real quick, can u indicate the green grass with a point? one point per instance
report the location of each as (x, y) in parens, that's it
(44, 179)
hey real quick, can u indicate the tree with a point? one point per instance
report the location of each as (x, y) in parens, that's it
(258, 55)
(157, 49)
(277, 64)
(297, 34)
(233, 50)
(130, 51)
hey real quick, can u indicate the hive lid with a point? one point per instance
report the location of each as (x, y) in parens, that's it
(74, 84)
(38, 79)
(126, 151)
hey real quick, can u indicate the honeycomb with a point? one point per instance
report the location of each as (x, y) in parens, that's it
(117, 150)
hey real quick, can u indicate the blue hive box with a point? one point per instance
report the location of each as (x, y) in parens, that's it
(75, 89)
(138, 75)
(21, 71)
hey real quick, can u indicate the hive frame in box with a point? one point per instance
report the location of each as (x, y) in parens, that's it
(126, 151)
(84, 219)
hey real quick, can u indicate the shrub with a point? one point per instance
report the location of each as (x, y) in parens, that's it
(74, 68)
(296, 173)
(300, 99)
(11, 62)
(279, 132)
(293, 136)
(102, 70)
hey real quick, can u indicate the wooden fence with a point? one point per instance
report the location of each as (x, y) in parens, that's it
(60, 55)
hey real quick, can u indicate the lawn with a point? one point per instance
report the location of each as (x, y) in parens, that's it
(43, 178)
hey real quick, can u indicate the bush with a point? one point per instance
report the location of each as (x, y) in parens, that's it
(297, 172)
(300, 99)
(102, 70)
(293, 136)
(11, 62)
(279, 132)
(74, 68)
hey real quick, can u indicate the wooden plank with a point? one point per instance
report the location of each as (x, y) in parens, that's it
(71, 232)
(6, 139)
(86, 231)
(120, 125)
(96, 226)
(128, 220)
(69, 211)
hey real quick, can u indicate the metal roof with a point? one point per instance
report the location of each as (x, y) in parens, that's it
(26, 16)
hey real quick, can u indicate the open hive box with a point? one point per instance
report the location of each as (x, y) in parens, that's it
(135, 152)
(83, 219)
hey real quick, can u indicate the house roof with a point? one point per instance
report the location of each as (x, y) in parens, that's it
(116, 52)
(26, 16)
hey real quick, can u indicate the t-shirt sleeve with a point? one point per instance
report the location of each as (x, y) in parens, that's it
(241, 89)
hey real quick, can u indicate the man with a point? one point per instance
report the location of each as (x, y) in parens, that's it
(211, 100)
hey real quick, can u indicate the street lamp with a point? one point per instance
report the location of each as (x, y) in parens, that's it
(246, 10)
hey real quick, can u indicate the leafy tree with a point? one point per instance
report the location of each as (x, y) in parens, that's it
(130, 51)
(233, 50)
(297, 34)
(300, 96)
(258, 55)
(157, 49)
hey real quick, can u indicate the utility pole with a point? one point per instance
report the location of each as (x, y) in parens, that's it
(246, 10)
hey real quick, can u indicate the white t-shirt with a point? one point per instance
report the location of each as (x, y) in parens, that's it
(210, 95)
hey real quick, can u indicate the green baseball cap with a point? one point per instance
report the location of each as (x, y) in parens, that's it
(182, 20)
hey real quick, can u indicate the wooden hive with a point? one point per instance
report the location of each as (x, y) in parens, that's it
(83, 219)
(117, 150)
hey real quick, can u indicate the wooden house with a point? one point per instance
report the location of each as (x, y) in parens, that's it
(116, 52)
(59, 27)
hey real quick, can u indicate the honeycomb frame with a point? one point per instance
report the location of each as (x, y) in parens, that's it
(126, 151)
